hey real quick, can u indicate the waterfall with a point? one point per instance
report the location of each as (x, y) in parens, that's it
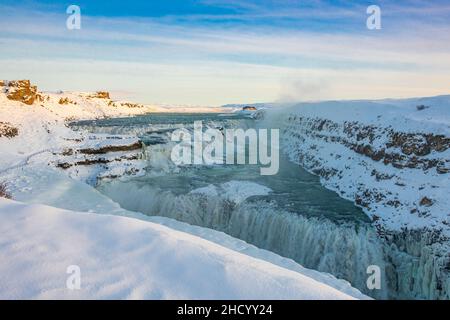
(342, 250)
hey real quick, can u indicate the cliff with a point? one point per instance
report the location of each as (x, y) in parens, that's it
(390, 157)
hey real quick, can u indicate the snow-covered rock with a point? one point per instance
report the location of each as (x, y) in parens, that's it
(39, 131)
(392, 158)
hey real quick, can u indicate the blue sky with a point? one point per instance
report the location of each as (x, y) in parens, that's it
(212, 52)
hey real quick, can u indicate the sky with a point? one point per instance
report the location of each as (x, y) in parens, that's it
(215, 52)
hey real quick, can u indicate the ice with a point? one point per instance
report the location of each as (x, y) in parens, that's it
(236, 191)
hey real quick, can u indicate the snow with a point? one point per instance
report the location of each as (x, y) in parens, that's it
(125, 258)
(96, 141)
(402, 114)
(122, 255)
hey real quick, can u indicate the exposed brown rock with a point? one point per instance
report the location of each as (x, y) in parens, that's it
(132, 105)
(125, 104)
(90, 162)
(134, 146)
(381, 176)
(394, 203)
(419, 144)
(21, 90)
(66, 101)
(426, 202)
(64, 165)
(100, 95)
(443, 168)
(7, 130)
(4, 192)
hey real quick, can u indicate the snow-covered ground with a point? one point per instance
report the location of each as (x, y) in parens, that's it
(120, 254)
(125, 258)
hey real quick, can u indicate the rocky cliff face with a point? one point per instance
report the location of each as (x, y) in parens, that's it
(401, 178)
(380, 161)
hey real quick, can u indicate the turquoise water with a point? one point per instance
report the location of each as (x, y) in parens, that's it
(294, 189)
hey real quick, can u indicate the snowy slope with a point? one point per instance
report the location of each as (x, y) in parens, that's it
(44, 137)
(124, 258)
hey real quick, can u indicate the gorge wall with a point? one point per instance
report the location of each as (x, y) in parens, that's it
(393, 160)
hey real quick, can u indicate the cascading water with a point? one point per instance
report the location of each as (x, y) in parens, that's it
(344, 251)
(290, 214)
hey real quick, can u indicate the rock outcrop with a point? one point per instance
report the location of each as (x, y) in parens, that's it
(113, 148)
(100, 95)
(4, 191)
(66, 101)
(20, 90)
(101, 157)
(7, 130)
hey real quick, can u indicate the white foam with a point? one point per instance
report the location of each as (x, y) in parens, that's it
(236, 191)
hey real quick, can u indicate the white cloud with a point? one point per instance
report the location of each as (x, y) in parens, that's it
(200, 64)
